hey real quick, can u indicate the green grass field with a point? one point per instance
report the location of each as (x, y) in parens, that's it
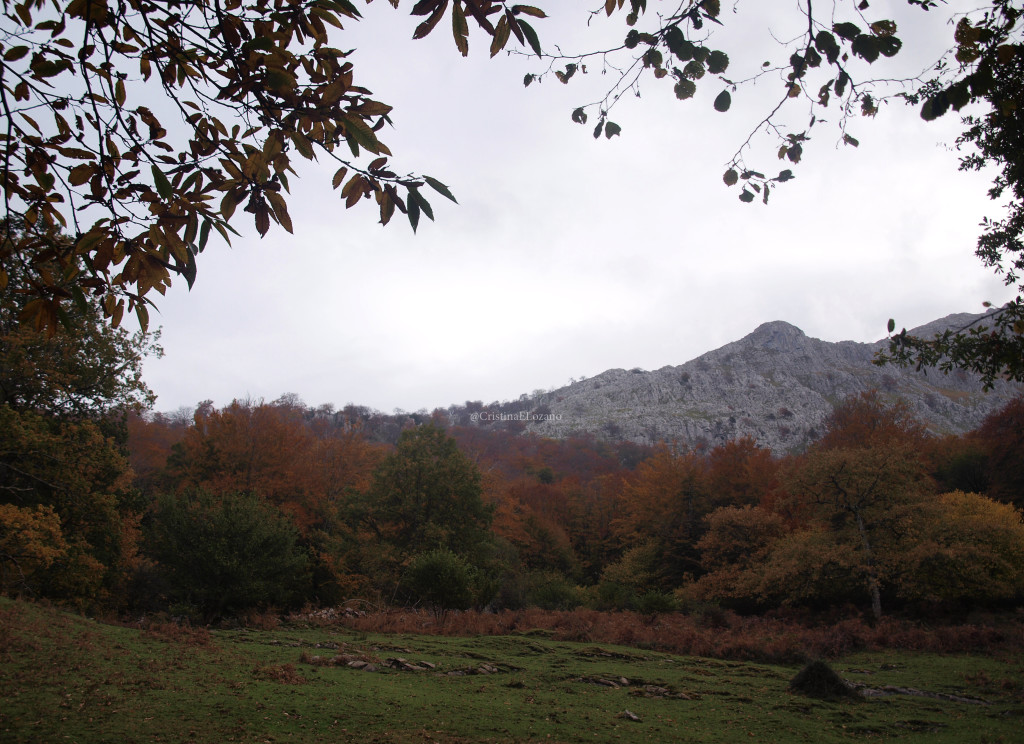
(64, 678)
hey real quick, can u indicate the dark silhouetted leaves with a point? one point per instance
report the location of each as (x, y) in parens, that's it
(718, 62)
(826, 43)
(723, 101)
(685, 89)
(848, 31)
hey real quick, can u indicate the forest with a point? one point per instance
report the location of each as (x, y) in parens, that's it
(213, 514)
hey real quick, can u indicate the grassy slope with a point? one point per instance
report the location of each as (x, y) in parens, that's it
(68, 679)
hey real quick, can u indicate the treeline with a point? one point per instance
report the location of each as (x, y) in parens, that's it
(214, 512)
(280, 505)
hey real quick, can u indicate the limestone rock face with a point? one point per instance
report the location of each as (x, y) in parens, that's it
(776, 385)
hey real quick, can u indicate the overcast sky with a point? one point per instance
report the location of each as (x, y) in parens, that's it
(568, 256)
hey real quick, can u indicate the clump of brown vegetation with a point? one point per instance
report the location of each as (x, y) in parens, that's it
(185, 634)
(284, 674)
(721, 634)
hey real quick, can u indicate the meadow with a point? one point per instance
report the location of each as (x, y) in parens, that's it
(66, 678)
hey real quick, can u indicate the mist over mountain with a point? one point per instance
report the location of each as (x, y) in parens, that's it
(776, 385)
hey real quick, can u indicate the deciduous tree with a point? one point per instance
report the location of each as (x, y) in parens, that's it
(1002, 435)
(75, 470)
(666, 501)
(860, 495)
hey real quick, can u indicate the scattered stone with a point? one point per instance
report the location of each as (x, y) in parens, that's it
(630, 716)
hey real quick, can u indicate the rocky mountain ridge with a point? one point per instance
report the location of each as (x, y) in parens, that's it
(776, 385)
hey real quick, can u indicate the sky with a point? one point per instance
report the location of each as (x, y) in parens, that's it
(567, 256)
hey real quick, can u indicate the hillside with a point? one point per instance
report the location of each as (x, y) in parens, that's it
(776, 384)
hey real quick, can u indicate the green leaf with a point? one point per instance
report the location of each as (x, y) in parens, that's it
(848, 31)
(867, 47)
(826, 44)
(731, 177)
(890, 46)
(143, 315)
(415, 197)
(747, 196)
(439, 188)
(531, 37)
(413, 212)
(718, 62)
(163, 186)
(723, 101)
(204, 234)
(598, 129)
(685, 89)
(579, 116)
(892, 325)
(611, 129)
(188, 268)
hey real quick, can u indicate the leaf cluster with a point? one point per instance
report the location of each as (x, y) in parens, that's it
(676, 47)
(251, 84)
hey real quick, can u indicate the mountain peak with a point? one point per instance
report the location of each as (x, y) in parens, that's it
(777, 335)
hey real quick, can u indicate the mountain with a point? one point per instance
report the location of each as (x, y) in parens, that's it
(776, 385)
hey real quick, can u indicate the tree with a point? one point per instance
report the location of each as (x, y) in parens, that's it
(30, 542)
(250, 83)
(91, 371)
(226, 554)
(860, 494)
(665, 503)
(426, 495)
(990, 71)
(63, 404)
(868, 420)
(968, 549)
(739, 472)
(1002, 435)
(71, 469)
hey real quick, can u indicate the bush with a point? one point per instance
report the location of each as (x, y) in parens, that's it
(227, 555)
(655, 603)
(549, 590)
(441, 580)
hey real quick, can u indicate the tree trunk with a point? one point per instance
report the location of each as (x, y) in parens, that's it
(873, 587)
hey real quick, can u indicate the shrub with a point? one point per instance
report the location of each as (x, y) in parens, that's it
(549, 590)
(227, 554)
(441, 580)
(655, 603)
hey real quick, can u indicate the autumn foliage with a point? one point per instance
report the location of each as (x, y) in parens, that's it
(370, 508)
